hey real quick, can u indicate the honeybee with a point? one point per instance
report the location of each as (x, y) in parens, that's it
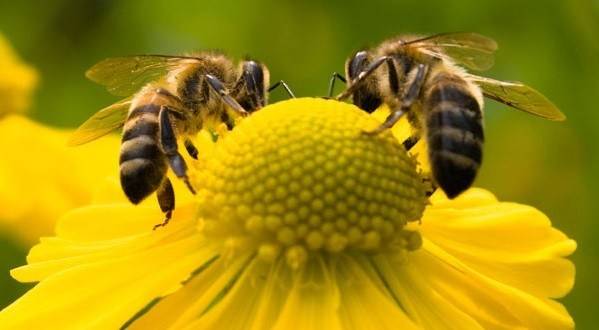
(423, 78)
(169, 97)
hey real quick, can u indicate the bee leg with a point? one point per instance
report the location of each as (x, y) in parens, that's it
(430, 185)
(389, 122)
(369, 70)
(254, 79)
(431, 191)
(223, 93)
(334, 77)
(285, 86)
(411, 141)
(227, 120)
(166, 200)
(191, 149)
(168, 142)
(412, 92)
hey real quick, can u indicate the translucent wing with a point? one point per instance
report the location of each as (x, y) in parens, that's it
(124, 76)
(469, 49)
(519, 96)
(101, 123)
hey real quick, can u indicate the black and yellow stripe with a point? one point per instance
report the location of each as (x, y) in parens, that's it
(454, 133)
(142, 164)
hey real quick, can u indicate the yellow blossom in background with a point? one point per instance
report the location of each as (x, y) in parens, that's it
(17, 80)
(301, 222)
(41, 178)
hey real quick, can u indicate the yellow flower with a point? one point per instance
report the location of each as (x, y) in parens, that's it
(302, 223)
(17, 81)
(41, 178)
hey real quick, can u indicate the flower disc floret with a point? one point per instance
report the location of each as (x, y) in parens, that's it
(300, 177)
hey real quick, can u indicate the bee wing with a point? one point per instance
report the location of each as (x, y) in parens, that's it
(519, 96)
(472, 50)
(124, 76)
(101, 123)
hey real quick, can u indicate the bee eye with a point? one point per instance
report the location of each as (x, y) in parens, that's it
(357, 64)
(254, 78)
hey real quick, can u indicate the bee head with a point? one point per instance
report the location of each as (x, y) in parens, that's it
(356, 64)
(366, 96)
(256, 78)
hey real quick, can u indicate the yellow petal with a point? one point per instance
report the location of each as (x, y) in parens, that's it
(53, 177)
(493, 304)
(108, 191)
(83, 238)
(473, 197)
(274, 295)
(105, 222)
(17, 81)
(363, 303)
(200, 293)
(426, 306)
(313, 301)
(511, 243)
(113, 291)
(244, 300)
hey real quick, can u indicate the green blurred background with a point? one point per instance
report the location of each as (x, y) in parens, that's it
(551, 45)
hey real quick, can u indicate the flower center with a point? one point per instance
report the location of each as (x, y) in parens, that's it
(299, 177)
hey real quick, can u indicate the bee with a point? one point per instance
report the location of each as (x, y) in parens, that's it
(424, 78)
(169, 97)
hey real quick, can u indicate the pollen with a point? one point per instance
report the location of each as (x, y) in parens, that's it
(299, 177)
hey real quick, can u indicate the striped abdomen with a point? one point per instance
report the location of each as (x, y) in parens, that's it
(454, 132)
(142, 164)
